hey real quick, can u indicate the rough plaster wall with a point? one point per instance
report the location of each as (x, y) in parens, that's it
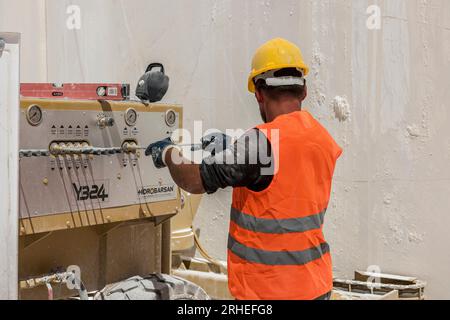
(382, 94)
(389, 200)
(28, 18)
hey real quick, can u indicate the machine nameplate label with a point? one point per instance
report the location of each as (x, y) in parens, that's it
(98, 191)
(154, 191)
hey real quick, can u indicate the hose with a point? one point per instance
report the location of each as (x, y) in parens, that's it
(205, 254)
(56, 278)
(71, 277)
(49, 291)
(199, 246)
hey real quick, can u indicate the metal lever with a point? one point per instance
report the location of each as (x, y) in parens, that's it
(105, 121)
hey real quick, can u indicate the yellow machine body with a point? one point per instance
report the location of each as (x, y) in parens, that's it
(85, 203)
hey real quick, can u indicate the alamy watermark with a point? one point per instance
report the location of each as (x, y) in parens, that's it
(73, 21)
(373, 22)
(247, 147)
(73, 278)
(374, 280)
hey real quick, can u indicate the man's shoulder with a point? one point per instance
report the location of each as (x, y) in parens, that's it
(252, 133)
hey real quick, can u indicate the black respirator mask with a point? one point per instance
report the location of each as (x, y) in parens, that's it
(153, 85)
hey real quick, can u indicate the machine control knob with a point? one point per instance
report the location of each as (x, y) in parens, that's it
(130, 147)
(104, 121)
(56, 148)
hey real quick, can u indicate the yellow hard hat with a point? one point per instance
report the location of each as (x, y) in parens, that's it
(273, 55)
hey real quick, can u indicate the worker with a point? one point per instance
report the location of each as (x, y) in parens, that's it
(276, 247)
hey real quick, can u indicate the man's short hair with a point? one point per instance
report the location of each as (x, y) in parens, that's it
(275, 93)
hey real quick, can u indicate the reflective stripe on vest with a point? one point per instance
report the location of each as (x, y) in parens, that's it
(277, 226)
(277, 258)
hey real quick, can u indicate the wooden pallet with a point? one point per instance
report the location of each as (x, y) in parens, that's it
(380, 286)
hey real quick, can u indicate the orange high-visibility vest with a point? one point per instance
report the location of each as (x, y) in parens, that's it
(276, 247)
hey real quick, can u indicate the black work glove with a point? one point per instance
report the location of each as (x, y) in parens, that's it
(156, 150)
(216, 142)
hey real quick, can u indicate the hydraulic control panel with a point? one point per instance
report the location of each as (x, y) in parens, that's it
(82, 163)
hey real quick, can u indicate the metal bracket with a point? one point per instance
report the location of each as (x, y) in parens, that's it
(32, 239)
(161, 219)
(2, 46)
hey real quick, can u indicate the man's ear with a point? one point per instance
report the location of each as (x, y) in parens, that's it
(259, 96)
(305, 93)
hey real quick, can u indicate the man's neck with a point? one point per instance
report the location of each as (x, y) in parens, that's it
(280, 107)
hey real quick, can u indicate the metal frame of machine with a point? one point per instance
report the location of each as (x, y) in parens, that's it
(63, 141)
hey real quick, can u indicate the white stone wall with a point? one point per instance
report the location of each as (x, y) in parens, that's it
(383, 94)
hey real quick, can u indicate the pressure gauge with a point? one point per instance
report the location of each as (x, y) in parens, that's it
(131, 117)
(101, 91)
(171, 118)
(34, 115)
